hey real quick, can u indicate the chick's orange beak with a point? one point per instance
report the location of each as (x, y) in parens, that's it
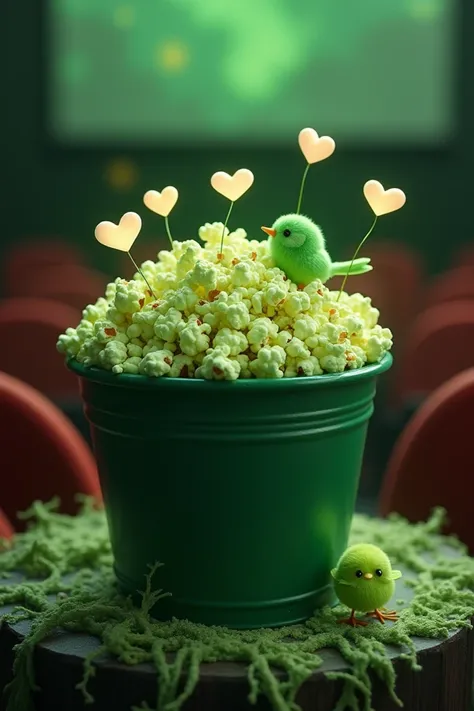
(368, 576)
(270, 231)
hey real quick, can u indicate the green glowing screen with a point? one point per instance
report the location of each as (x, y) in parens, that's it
(158, 71)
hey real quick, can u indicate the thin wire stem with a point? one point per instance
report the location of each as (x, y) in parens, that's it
(141, 273)
(225, 225)
(167, 225)
(303, 181)
(355, 257)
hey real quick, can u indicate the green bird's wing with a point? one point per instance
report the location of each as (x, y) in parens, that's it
(339, 581)
(396, 574)
(360, 266)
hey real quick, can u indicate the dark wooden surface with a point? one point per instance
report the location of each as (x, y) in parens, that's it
(444, 684)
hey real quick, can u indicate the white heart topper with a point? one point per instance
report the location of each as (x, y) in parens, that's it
(121, 236)
(161, 203)
(314, 147)
(232, 187)
(383, 201)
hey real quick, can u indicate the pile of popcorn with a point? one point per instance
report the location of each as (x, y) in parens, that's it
(223, 316)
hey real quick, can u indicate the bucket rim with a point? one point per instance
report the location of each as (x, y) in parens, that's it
(144, 382)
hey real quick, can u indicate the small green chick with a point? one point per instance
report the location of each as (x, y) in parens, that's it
(298, 248)
(364, 581)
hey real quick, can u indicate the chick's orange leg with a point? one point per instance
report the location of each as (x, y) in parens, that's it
(384, 615)
(353, 621)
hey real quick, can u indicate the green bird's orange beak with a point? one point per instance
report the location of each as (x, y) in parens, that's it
(270, 231)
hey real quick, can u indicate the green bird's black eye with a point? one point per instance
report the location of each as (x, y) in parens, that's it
(287, 233)
(378, 572)
(359, 573)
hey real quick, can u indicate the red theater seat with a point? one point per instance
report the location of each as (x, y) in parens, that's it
(454, 285)
(73, 285)
(29, 330)
(440, 345)
(431, 464)
(43, 454)
(6, 529)
(22, 262)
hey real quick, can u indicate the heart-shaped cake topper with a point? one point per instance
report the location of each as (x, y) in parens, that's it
(314, 147)
(383, 201)
(161, 203)
(232, 187)
(121, 236)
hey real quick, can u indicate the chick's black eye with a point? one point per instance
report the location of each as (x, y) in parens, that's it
(378, 572)
(287, 233)
(359, 573)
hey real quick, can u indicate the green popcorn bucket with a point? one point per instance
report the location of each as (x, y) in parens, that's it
(244, 491)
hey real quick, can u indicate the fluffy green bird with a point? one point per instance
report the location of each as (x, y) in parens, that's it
(364, 581)
(298, 248)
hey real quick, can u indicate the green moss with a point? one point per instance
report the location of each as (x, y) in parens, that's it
(55, 545)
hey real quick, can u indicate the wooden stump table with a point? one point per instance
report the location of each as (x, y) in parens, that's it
(443, 684)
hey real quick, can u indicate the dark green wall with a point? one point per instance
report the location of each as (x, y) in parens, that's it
(51, 192)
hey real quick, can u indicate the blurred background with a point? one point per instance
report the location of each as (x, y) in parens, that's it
(105, 100)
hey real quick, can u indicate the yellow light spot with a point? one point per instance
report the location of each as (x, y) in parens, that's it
(121, 174)
(172, 56)
(124, 16)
